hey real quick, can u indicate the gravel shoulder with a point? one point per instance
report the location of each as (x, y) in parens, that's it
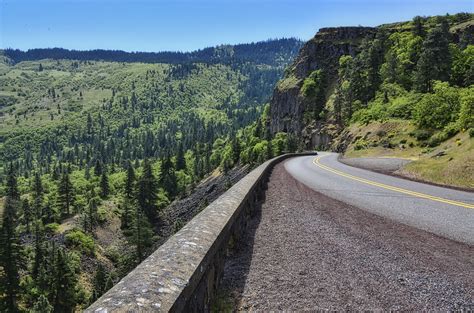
(307, 251)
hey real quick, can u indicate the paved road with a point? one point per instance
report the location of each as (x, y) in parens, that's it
(442, 211)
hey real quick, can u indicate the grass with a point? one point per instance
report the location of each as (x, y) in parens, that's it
(288, 83)
(393, 139)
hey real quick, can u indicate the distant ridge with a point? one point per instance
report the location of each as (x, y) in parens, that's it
(262, 52)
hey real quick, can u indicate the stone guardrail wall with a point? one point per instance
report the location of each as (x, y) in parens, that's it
(183, 274)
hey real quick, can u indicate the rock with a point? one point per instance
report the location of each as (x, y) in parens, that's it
(439, 154)
(322, 52)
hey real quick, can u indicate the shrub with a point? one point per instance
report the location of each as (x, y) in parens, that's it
(78, 240)
(421, 134)
(51, 228)
(439, 109)
(360, 144)
(437, 138)
(471, 132)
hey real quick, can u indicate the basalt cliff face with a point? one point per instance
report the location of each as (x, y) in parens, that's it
(321, 52)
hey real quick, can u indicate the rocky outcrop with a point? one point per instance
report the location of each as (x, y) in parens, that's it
(321, 52)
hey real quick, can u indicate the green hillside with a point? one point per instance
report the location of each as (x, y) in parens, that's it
(91, 153)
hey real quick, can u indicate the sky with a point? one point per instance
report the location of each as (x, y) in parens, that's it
(186, 25)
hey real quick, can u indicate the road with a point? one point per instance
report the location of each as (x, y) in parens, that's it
(305, 250)
(442, 211)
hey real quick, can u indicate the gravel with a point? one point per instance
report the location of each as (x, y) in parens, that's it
(306, 251)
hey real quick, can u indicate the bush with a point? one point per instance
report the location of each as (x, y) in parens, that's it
(438, 138)
(471, 132)
(439, 109)
(78, 240)
(360, 144)
(51, 228)
(421, 134)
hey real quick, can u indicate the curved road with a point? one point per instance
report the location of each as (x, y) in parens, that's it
(442, 211)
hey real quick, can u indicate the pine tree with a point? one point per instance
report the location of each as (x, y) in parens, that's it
(146, 193)
(100, 281)
(126, 217)
(142, 234)
(168, 178)
(98, 168)
(104, 185)
(418, 29)
(130, 181)
(39, 253)
(38, 196)
(65, 194)
(180, 159)
(65, 296)
(27, 214)
(236, 149)
(435, 58)
(42, 305)
(10, 248)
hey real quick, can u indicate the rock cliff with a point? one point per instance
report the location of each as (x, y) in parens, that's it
(321, 52)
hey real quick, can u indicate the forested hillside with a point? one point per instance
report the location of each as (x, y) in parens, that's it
(91, 152)
(403, 89)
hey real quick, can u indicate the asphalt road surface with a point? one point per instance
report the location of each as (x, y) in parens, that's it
(442, 211)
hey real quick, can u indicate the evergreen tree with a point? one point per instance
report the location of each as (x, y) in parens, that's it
(435, 59)
(236, 149)
(27, 214)
(168, 178)
(180, 159)
(65, 194)
(39, 253)
(65, 296)
(38, 196)
(130, 181)
(98, 168)
(10, 249)
(100, 282)
(146, 193)
(42, 305)
(418, 29)
(104, 185)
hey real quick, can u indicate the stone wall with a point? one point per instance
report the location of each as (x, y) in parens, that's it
(184, 273)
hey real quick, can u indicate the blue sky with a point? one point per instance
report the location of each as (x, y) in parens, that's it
(184, 25)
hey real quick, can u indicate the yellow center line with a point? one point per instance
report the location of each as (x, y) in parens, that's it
(401, 190)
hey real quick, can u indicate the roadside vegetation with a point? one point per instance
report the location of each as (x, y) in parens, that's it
(408, 93)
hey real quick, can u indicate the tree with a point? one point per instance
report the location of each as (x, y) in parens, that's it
(130, 181)
(100, 282)
(38, 195)
(65, 194)
(126, 217)
(98, 168)
(168, 177)
(435, 59)
(418, 29)
(146, 193)
(65, 296)
(42, 305)
(236, 149)
(180, 159)
(10, 249)
(104, 185)
(142, 234)
(27, 214)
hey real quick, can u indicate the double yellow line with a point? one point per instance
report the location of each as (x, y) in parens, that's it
(401, 190)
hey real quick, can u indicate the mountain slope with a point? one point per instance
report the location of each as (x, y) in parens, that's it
(417, 73)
